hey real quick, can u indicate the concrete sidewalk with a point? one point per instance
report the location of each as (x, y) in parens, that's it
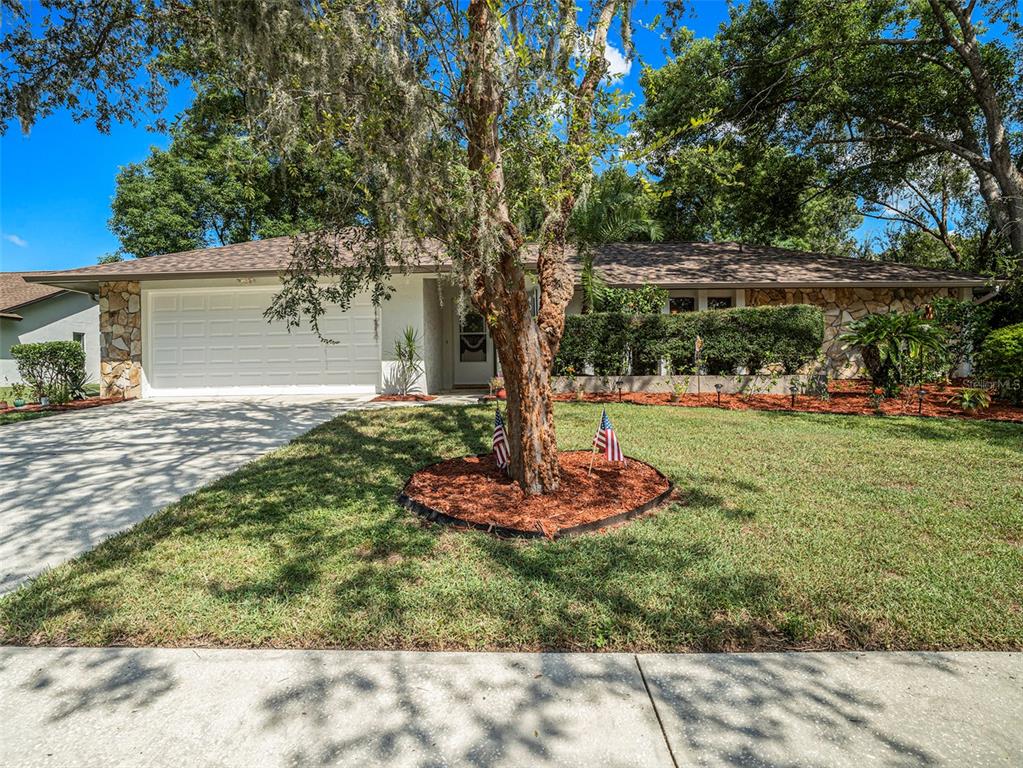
(171, 707)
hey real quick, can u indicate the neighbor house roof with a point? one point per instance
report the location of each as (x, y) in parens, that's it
(671, 264)
(15, 292)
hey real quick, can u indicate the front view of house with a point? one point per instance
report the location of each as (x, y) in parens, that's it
(191, 324)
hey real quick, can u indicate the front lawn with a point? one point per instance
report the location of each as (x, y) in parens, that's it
(792, 531)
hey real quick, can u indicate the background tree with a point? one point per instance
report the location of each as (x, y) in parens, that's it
(615, 208)
(721, 181)
(215, 186)
(430, 98)
(870, 88)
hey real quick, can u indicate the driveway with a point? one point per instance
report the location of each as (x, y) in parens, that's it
(70, 481)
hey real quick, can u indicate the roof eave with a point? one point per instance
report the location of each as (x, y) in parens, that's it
(735, 284)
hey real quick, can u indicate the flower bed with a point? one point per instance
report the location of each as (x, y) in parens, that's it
(74, 405)
(473, 492)
(846, 397)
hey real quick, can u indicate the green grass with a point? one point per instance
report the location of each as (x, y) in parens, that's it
(793, 531)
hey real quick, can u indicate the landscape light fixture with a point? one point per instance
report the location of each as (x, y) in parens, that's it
(920, 393)
(793, 389)
(718, 388)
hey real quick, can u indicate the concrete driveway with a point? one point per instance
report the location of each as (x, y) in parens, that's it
(70, 481)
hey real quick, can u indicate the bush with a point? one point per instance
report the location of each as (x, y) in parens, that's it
(55, 369)
(1001, 359)
(750, 338)
(895, 346)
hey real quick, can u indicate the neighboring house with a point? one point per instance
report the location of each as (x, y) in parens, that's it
(191, 324)
(32, 312)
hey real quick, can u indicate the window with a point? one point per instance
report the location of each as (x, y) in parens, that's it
(472, 340)
(679, 304)
(719, 302)
(79, 337)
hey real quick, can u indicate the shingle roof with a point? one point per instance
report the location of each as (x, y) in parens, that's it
(668, 264)
(15, 292)
(721, 264)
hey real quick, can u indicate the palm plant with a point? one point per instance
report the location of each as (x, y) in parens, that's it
(891, 344)
(615, 209)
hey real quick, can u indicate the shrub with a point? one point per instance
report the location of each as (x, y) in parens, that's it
(748, 338)
(966, 325)
(408, 365)
(52, 368)
(1001, 359)
(893, 346)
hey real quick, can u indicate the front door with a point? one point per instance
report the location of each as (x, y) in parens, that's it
(474, 352)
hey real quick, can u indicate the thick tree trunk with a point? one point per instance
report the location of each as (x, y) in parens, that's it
(527, 378)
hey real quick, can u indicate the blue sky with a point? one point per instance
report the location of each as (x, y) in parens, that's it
(57, 182)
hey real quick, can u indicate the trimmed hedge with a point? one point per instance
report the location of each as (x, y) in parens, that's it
(750, 338)
(52, 368)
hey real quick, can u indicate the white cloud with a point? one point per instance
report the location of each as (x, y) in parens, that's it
(617, 64)
(15, 240)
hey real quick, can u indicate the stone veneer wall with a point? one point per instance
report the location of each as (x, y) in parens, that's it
(841, 307)
(120, 331)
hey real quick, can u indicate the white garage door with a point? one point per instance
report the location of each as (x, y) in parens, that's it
(218, 342)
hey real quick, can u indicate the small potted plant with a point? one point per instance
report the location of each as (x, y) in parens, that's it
(18, 394)
(497, 388)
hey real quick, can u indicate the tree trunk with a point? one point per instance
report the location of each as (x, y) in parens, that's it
(527, 379)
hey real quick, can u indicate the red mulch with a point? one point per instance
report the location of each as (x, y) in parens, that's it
(847, 397)
(74, 405)
(473, 489)
(402, 398)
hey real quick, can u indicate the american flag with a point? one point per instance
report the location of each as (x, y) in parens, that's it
(500, 441)
(606, 441)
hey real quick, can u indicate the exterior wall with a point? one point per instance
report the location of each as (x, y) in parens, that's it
(404, 309)
(120, 327)
(56, 318)
(841, 307)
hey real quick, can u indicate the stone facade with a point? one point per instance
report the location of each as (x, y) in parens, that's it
(841, 307)
(120, 331)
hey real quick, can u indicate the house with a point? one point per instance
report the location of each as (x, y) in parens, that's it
(191, 324)
(32, 312)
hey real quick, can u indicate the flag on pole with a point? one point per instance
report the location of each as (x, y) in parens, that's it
(606, 441)
(501, 452)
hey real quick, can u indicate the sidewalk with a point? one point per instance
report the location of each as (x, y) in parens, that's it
(182, 707)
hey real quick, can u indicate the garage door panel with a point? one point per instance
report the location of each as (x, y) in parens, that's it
(220, 340)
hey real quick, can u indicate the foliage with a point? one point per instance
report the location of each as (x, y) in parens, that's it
(971, 399)
(645, 300)
(750, 339)
(53, 369)
(214, 186)
(777, 540)
(408, 360)
(1001, 360)
(893, 346)
(614, 208)
(965, 325)
(885, 96)
(735, 184)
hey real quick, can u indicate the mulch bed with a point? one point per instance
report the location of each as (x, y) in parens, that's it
(847, 397)
(474, 492)
(74, 405)
(402, 398)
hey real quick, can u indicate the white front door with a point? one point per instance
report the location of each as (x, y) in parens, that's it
(474, 351)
